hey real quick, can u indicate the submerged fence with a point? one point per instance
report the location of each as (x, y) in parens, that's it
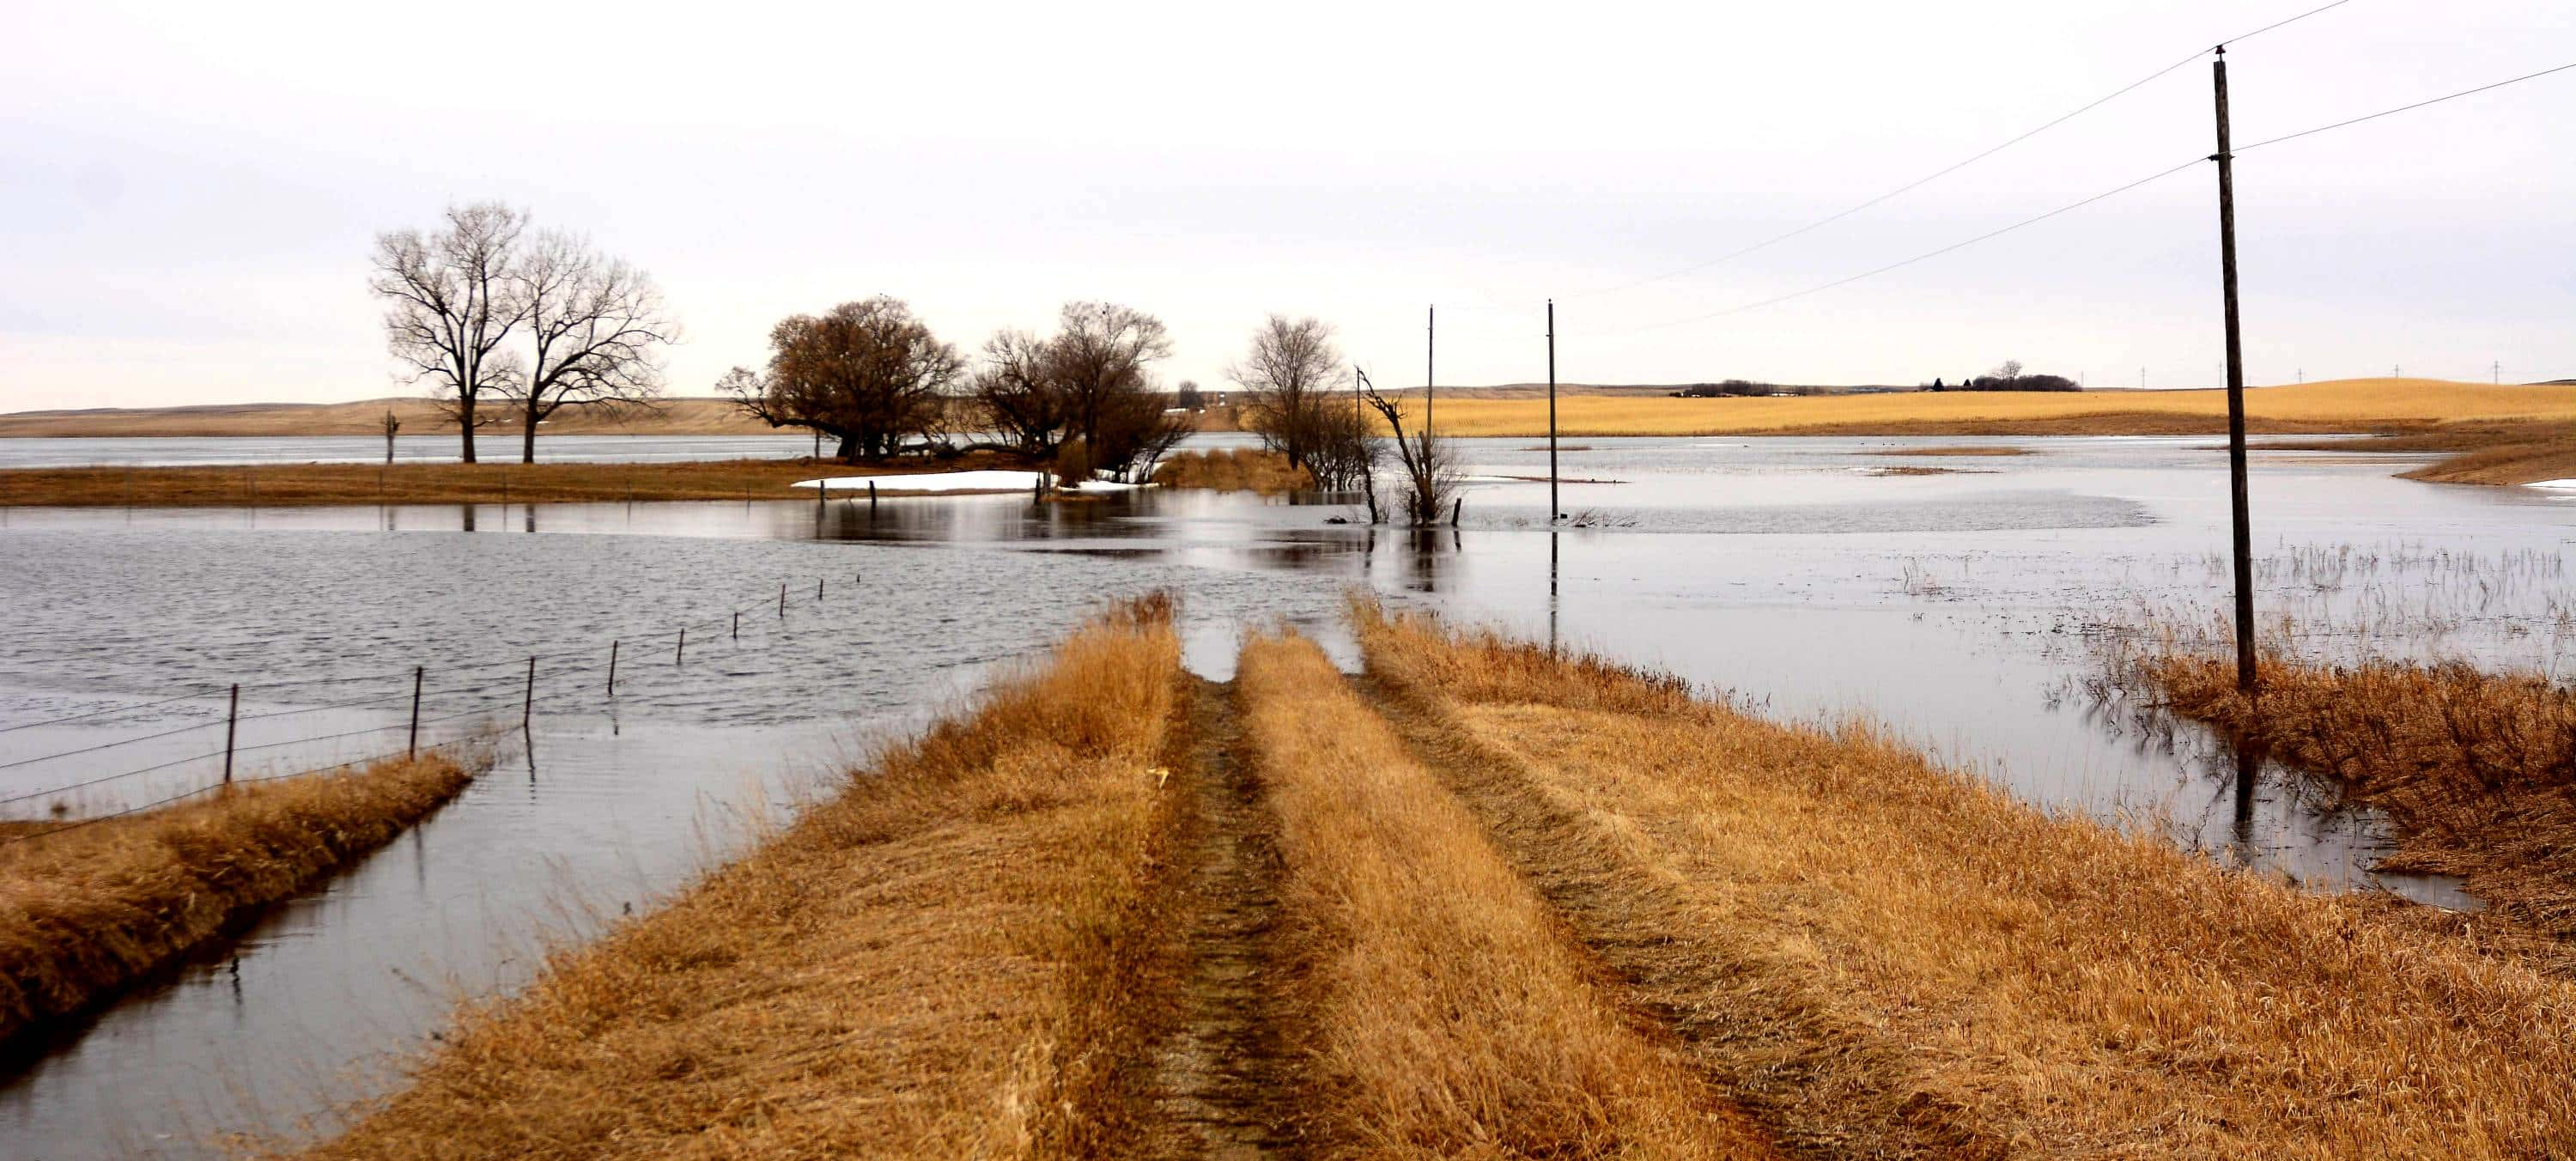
(520, 683)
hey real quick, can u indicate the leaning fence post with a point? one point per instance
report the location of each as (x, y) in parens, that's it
(782, 600)
(872, 495)
(411, 747)
(612, 669)
(528, 708)
(818, 590)
(682, 653)
(232, 722)
(737, 624)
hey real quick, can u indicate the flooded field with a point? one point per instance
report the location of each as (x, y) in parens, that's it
(1811, 578)
(92, 451)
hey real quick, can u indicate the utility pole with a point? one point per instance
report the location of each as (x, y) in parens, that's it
(1430, 348)
(1554, 513)
(2244, 532)
(2498, 370)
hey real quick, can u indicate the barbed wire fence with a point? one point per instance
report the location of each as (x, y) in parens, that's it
(523, 683)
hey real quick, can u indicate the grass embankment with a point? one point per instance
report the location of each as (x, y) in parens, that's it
(1445, 1015)
(85, 911)
(293, 485)
(1883, 957)
(1233, 470)
(944, 960)
(2351, 405)
(2477, 770)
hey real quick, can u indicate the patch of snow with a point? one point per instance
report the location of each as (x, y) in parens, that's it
(2555, 484)
(980, 481)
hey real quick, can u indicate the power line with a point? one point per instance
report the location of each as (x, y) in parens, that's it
(2097, 197)
(1925, 256)
(2403, 108)
(1918, 183)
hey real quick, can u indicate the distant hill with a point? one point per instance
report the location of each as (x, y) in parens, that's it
(692, 415)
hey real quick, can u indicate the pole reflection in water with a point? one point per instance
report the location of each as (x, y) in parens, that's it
(1551, 591)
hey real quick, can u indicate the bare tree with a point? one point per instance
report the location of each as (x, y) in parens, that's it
(1100, 355)
(1188, 397)
(1430, 480)
(393, 423)
(597, 326)
(1019, 392)
(449, 306)
(866, 373)
(1288, 375)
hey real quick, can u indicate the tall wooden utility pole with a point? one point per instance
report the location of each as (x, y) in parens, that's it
(1430, 345)
(2235, 391)
(1554, 513)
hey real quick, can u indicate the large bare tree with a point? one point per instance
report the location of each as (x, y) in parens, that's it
(449, 306)
(1288, 375)
(868, 374)
(1019, 392)
(597, 327)
(1101, 354)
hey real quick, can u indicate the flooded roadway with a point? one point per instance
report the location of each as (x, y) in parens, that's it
(1793, 573)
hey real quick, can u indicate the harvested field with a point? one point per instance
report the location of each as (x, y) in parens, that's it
(1886, 958)
(290, 485)
(87, 909)
(2352, 405)
(950, 958)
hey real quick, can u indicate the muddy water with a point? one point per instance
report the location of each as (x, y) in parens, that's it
(1951, 609)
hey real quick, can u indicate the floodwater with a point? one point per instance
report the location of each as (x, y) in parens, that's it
(501, 447)
(1958, 611)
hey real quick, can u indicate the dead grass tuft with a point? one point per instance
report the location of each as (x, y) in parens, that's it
(2477, 770)
(85, 911)
(1447, 1017)
(1233, 470)
(1887, 958)
(937, 962)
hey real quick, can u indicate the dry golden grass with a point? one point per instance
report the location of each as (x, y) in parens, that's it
(2343, 406)
(1889, 958)
(1233, 470)
(1446, 1017)
(88, 909)
(2478, 770)
(936, 963)
(290, 485)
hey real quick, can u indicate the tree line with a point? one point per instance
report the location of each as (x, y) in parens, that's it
(501, 320)
(872, 376)
(482, 308)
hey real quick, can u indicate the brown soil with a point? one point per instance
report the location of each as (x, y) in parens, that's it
(1216, 1082)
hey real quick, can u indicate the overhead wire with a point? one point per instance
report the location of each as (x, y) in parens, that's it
(1954, 167)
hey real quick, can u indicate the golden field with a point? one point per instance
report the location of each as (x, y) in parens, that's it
(2349, 405)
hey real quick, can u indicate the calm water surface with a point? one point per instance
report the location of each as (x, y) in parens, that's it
(1954, 610)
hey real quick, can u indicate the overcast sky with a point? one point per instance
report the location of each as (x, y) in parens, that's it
(188, 193)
